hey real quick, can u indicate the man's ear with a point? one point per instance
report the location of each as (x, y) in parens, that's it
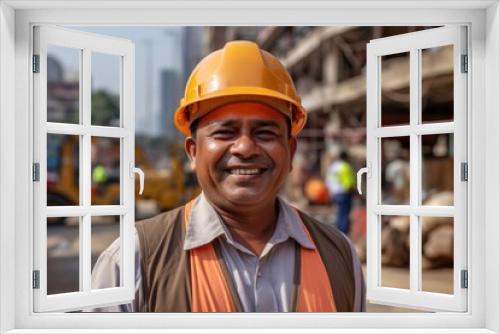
(293, 149)
(190, 148)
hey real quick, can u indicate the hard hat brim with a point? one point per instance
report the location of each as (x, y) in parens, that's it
(183, 117)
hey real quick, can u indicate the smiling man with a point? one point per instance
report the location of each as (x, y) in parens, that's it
(238, 247)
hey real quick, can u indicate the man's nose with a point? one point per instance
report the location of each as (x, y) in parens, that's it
(245, 147)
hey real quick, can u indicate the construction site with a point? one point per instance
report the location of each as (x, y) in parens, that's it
(328, 67)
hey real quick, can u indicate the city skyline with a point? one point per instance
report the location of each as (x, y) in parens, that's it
(157, 50)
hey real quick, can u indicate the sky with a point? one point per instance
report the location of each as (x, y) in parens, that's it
(156, 49)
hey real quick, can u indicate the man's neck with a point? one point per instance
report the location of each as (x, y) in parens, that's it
(253, 227)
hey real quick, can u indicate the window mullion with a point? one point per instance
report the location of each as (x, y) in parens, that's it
(415, 258)
(85, 226)
(415, 175)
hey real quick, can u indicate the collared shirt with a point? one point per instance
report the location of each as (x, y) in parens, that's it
(264, 283)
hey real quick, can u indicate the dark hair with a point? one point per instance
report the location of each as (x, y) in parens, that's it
(193, 127)
(343, 155)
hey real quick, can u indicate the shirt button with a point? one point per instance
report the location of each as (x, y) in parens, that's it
(259, 274)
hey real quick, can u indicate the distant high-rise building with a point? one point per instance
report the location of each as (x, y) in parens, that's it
(55, 71)
(185, 44)
(192, 49)
(169, 98)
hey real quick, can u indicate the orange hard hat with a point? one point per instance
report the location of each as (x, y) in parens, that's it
(241, 71)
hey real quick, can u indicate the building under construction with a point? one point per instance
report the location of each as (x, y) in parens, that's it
(328, 67)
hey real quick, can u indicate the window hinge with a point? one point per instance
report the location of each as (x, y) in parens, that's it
(464, 279)
(465, 66)
(36, 171)
(36, 279)
(36, 63)
(464, 174)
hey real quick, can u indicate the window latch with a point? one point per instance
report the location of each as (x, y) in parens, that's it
(135, 170)
(359, 175)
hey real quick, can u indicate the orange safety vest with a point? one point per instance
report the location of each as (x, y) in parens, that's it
(211, 293)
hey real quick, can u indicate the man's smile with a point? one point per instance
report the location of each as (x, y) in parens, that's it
(240, 171)
(245, 172)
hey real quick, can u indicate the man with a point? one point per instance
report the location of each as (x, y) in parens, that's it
(341, 181)
(238, 246)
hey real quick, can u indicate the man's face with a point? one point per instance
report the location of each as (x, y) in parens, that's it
(242, 154)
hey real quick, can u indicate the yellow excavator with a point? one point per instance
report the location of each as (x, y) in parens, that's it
(169, 187)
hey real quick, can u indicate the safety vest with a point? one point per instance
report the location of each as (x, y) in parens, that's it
(341, 177)
(210, 289)
(175, 280)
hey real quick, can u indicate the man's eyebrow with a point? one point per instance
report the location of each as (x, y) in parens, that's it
(232, 122)
(267, 123)
(227, 122)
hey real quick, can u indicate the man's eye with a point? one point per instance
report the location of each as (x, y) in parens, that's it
(223, 134)
(267, 134)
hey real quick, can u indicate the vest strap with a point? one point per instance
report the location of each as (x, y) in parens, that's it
(315, 292)
(210, 291)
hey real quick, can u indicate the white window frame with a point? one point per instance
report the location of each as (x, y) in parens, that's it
(16, 19)
(86, 44)
(412, 43)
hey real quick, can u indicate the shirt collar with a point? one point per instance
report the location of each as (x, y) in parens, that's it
(205, 225)
(292, 224)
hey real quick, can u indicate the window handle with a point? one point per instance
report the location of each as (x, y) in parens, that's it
(135, 170)
(360, 174)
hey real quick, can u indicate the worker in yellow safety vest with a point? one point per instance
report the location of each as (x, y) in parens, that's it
(341, 181)
(239, 247)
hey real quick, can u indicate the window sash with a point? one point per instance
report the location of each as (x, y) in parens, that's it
(412, 43)
(86, 43)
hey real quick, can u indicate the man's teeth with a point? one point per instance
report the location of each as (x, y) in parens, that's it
(253, 171)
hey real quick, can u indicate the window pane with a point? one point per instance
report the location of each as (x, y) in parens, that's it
(105, 100)
(395, 170)
(437, 254)
(437, 169)
(395, 94)
(395, 251)
(105, 232)
(63, 84)
(63, 170)
(63, 255)
(437, 84)
(105, 171)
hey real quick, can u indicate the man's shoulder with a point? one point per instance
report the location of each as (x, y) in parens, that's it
(326, 235)
(309, 220)
(154, 231)
(163, 219)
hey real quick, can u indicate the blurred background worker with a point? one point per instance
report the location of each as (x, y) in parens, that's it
(341, 181)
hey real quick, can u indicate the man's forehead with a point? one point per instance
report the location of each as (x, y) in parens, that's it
(239, 120)
(237, 113)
